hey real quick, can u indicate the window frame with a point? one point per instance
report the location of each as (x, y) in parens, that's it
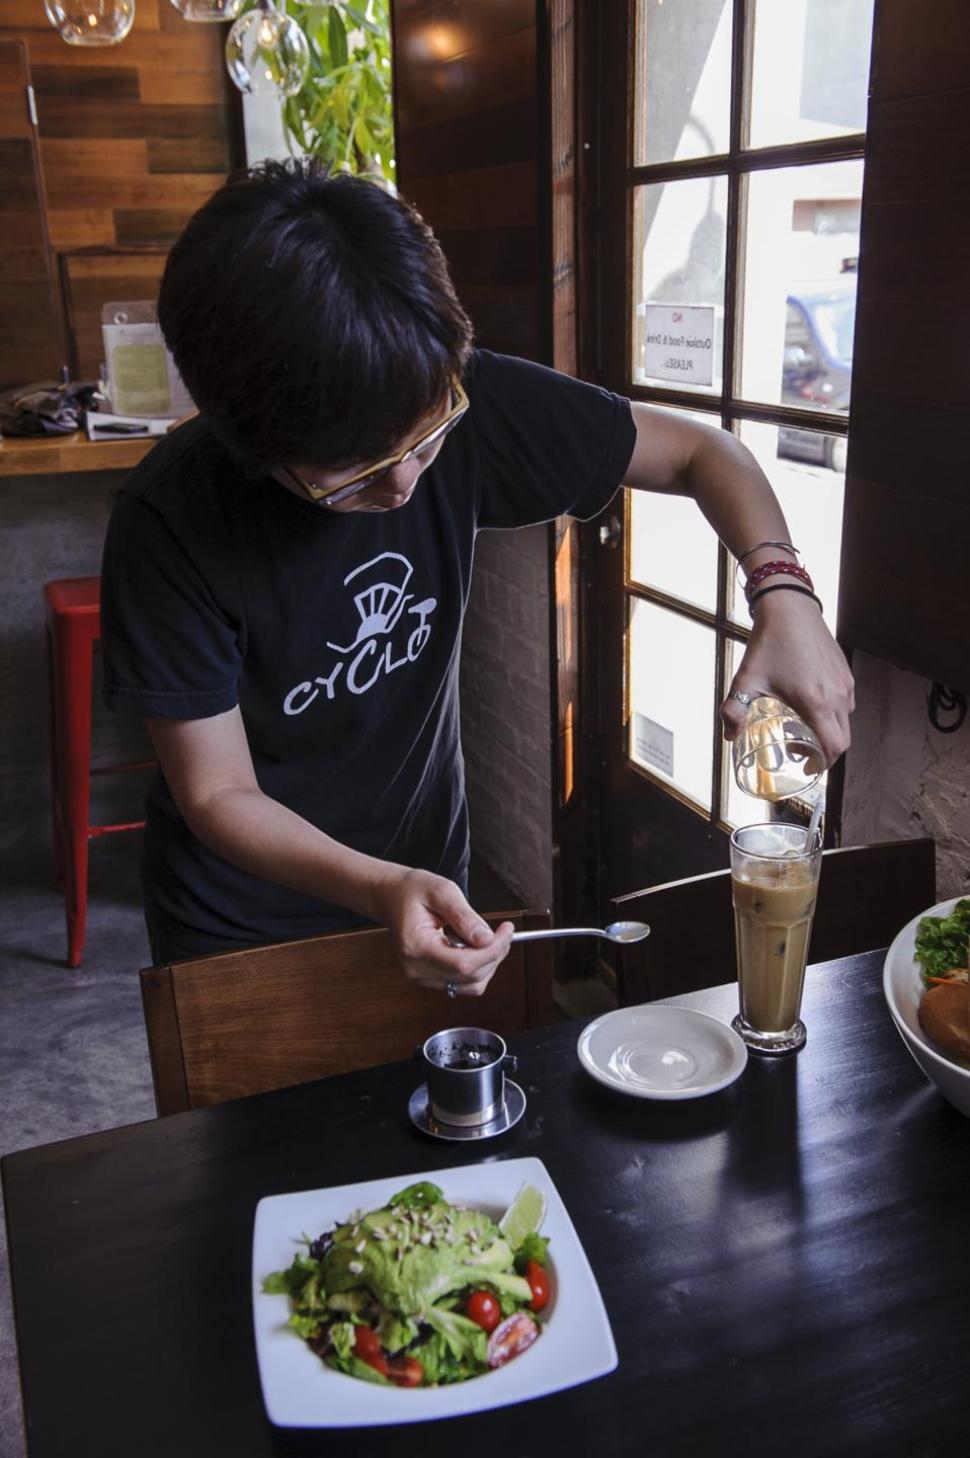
(726, 406)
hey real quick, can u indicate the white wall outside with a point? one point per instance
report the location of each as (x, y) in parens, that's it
(903, 777)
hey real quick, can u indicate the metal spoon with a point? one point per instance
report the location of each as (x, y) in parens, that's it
(622, 932)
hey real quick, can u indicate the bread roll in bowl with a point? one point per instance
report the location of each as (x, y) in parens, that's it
(944, 1016)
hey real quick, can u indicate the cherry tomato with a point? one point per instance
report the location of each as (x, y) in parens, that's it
(539, 1282)
(405, 1371)
(367, 1346)
(484, 1309)
(510, 1338)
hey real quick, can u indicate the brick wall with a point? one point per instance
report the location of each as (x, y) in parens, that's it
(506, 711)
(904, 778)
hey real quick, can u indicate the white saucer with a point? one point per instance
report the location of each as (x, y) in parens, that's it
(661, 1052)
(421, 1116)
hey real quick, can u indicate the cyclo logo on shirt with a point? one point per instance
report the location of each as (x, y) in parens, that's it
(380, 601)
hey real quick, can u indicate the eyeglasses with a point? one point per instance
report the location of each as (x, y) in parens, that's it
(330, 495)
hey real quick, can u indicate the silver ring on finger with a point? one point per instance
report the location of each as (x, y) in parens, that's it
(741, 696)
(452, 989)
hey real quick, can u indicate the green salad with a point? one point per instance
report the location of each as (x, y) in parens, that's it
(942, 944)
(421, 1292)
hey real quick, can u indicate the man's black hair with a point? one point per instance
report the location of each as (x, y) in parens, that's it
(311, 317)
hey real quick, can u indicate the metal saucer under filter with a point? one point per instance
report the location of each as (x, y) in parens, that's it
(419, 1112)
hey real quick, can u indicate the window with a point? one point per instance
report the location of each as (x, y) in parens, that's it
(743, 192)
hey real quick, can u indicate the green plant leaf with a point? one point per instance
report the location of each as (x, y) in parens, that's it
(338, 37)
(343, 112)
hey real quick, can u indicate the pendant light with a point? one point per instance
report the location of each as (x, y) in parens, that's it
(267, 53)
(91, 22)
(208, 10)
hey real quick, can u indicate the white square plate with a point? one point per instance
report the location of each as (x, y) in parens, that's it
(300, 1391)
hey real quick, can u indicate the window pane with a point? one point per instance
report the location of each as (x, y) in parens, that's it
(672, 547)
(683, 79)
(806, 470)
(678, 283)
(801, 251)
(670, 670)
(810, 75)
(738, 808)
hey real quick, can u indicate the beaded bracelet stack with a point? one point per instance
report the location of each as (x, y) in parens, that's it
(754, 588)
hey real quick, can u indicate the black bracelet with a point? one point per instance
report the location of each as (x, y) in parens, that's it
(786, 587)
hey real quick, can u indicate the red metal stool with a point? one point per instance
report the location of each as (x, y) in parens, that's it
(73, 628)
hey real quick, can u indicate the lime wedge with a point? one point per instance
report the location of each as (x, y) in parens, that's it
(524, 1216)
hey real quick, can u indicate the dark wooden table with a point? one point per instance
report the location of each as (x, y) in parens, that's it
(786, 1264)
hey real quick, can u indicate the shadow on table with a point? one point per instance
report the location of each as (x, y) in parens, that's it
(759, 1113)
(653, 1120)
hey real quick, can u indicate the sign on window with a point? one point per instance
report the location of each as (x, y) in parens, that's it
(679, 343)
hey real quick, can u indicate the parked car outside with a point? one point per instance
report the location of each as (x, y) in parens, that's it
(817, 369)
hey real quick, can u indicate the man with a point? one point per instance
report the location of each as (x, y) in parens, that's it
(285, 576)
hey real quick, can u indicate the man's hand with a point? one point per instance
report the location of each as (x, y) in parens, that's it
(416, 906)
(792, 655)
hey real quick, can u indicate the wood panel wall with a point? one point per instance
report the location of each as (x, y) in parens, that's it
(470, 125)
(905, 593)
(91, 278)
(31, 346)
(134, 137)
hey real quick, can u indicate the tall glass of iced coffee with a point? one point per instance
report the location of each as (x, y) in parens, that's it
(774, 882)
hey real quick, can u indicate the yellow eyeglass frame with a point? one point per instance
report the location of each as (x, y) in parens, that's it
(330, 495)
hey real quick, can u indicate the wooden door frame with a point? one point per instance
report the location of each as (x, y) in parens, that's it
(603, 78)
(571, 88)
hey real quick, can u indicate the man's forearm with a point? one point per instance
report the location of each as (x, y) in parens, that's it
(677, 456)
(736, 497)
(263, 837)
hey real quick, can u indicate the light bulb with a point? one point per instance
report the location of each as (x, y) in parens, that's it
(91, 22)
(267, 53)
(208, 10)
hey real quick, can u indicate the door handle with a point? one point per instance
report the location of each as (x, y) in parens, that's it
(610, 533)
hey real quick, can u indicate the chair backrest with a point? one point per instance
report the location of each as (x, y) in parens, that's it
(239, 1023)
(865, 895)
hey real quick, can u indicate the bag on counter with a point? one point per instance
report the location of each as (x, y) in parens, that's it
(45, 408)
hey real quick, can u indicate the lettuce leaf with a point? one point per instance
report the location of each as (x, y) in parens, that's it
(395, 1332)
(464, 1338)
(354, 1367)
(440, 1364)
(292, 1281)
(343, 1334)
(417, 1197)
(942, 941)
(533, 1248)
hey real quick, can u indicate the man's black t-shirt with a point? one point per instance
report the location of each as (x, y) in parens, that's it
(337, 634)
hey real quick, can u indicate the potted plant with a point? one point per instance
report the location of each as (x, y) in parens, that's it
(343, 111)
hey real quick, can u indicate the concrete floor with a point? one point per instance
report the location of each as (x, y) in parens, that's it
(73, 1057)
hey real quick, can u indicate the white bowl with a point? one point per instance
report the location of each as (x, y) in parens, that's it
(902, 984)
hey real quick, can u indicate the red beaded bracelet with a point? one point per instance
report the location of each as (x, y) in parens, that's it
(770, 569)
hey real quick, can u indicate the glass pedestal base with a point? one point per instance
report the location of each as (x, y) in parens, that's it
(788, 1041)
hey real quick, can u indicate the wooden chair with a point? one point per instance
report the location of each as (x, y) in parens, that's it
(865, 895)
(239, 1023)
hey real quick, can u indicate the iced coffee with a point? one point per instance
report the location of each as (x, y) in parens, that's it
(774, 882)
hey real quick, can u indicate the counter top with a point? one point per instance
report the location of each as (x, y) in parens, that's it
(54, 455)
